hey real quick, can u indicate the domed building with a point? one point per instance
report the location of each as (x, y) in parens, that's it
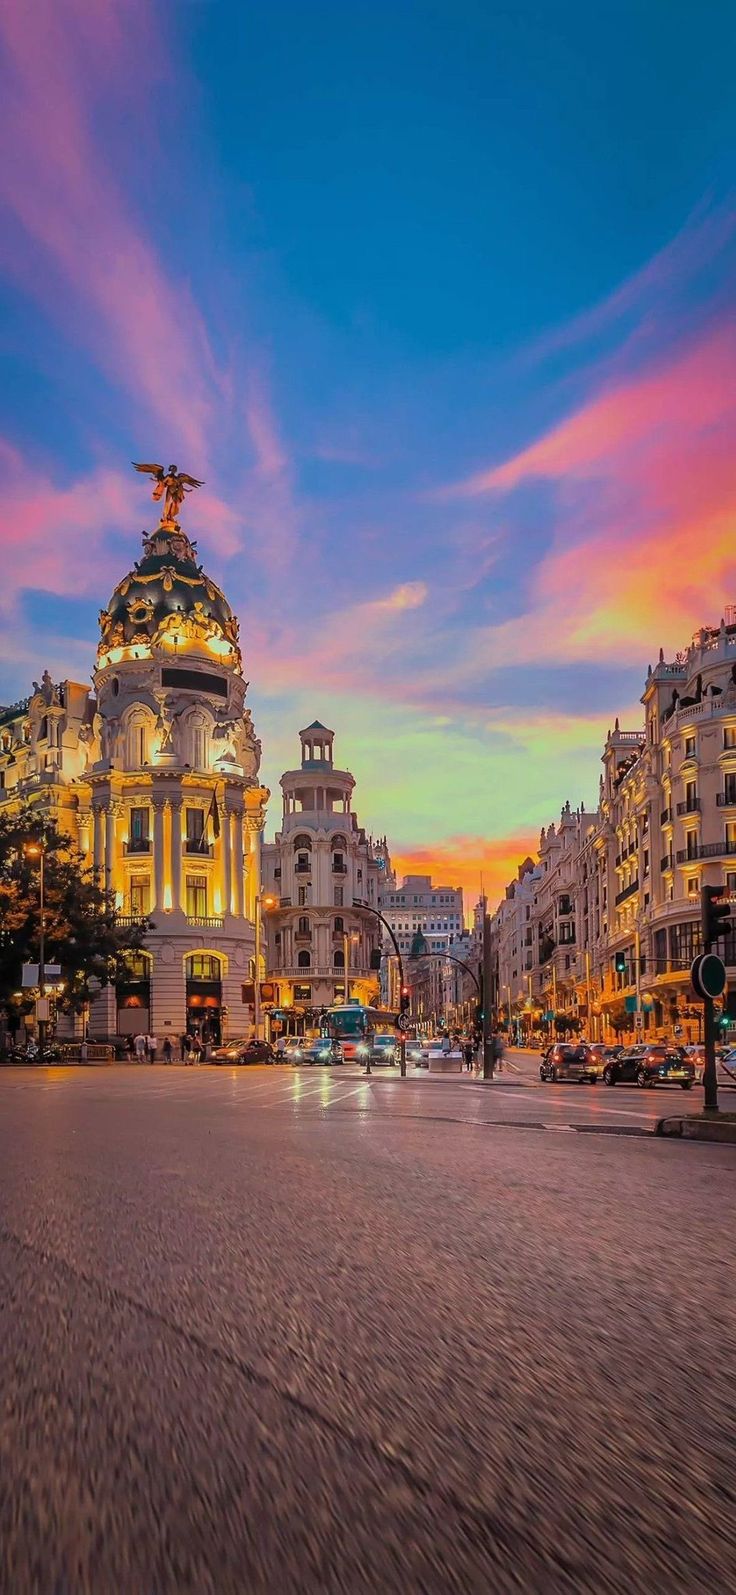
(157, 776)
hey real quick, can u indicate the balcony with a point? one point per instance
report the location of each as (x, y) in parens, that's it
(131, 919)
(726, 800)
(303, 937)
(198, 846)
(137, 844)
(690, 806)
(284, 902)
(339, 869)
(628, 891)
(665, 817)
(722, 849)
(205, 921)
(302, 869)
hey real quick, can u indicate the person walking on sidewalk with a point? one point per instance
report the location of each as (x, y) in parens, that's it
(167, 1049)
(468, 1054)
(498, 1051)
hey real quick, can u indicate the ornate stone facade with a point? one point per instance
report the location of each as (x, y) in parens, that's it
(156, 777)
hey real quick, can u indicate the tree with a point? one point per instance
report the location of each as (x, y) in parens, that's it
(83, 932)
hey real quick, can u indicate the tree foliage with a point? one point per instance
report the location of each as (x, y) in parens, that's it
(83, 931)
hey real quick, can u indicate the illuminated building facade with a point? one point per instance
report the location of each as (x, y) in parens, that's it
(320, 876)
(156, 778)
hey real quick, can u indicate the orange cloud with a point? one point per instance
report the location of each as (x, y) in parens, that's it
(467, 860)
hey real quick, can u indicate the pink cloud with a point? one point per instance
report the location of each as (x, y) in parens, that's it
(139, 320)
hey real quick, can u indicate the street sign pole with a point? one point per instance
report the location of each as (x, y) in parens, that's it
(710, 1077)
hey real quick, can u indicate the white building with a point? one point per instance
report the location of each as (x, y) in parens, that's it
(322, 877)
(155, 778)
(417, 905)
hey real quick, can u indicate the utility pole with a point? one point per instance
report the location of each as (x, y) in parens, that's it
(488, 1059)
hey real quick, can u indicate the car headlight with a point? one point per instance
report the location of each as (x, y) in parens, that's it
(362, 1049)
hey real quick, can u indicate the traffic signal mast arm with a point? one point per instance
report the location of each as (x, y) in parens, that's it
(715, 914)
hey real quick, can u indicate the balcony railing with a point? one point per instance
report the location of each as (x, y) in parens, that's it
(726, 800)
(690, 806)
(137, 844)
(722, 849)
(206, 921)
(628, 891)
(197, 844)
(302, 869)
(339, 869)
(284, 902)
(131, 919)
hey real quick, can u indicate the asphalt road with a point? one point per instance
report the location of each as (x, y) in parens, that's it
(269, 1331)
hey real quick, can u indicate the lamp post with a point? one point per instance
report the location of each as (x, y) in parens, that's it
(38, 850)
(347, 938)
(366, 908)
(262, 901)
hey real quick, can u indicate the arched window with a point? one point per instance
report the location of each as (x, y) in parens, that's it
(339, 923)
(338, 958)
(303, 927)
(203, 966)
(137, 741)
(303, 961)
(302, 841)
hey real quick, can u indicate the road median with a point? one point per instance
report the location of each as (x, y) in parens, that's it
(718, 1127)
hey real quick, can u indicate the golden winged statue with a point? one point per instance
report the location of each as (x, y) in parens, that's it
(174, 483)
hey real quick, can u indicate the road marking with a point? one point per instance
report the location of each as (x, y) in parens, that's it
(343, 1095)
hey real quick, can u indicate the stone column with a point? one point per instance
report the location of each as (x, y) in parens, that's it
(226, 845)
(98, 855)
(239, 900)
(109, 846)
(176, 846)
(158, 851)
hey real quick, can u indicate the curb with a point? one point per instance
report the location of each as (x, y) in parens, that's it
(698, 1130)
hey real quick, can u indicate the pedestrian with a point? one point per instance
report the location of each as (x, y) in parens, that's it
(445, 1043)
(140, 1048)
(152, 1048)
(129, 1048)
(498, 1051)
(196, 1049)
(183, 1045)
(167, 1049)
(468, 1053)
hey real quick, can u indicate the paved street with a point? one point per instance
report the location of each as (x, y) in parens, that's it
(268, 1330)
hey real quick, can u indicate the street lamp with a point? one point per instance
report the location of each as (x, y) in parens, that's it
(367, 909)
(263, 900)
(38, 850)
(346, 940)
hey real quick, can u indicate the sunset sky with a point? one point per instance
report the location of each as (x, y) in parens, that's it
(438, 298)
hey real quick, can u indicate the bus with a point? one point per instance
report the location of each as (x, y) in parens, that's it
(350, 1022)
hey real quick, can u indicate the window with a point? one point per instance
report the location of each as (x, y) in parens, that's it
(140, 894)
(731, 881)
(203, 966)
(139, 836)
(729, 736)
(691, 844)
(731, 836)
(729, 787)
(199, 747)
(43, 729)
(338, 863)
(646, 860)
(338, 896)
(195, 831)
(302, 842)
(136, 966)
(302, 993)
(689, 747)
(138, 746)
(302, 863)
(339, 924)
(196, 897)
(338, 958)
(303, 926)
(303, 960)
(693, 886)
(303, 896)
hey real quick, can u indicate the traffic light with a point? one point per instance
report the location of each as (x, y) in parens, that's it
(724, 1021)
(405, 999)
(620, 963)
(715, 914)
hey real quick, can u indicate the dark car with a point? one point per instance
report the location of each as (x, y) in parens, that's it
(318, 1050)
(568, 1061)
(650, 1066)
(383, 1049)
(250, 1051)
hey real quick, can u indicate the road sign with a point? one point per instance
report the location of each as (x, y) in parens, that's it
(638, 1021)
(402, 1021)
(708, 975)
(29, 975)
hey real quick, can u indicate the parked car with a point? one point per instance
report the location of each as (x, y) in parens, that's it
(651, 1065)
(726, 1067)
(383, 1049)
(244, 1051)
(568, 1060)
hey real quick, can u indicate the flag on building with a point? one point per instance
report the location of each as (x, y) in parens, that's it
(213, 816)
